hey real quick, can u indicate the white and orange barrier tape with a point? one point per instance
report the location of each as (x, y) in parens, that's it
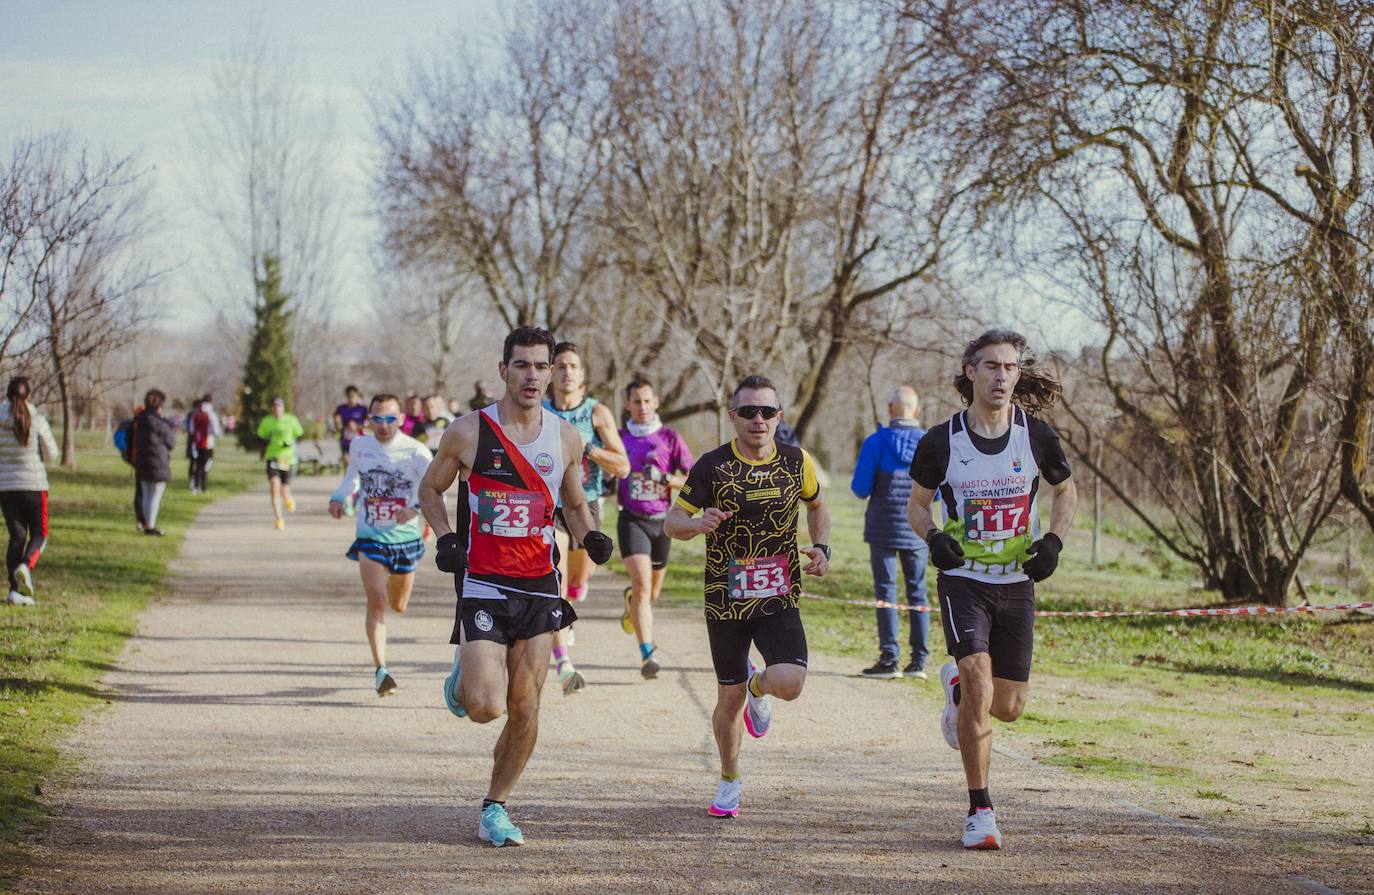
(1123, 613)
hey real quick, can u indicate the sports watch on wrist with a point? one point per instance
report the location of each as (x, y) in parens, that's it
(824, 548)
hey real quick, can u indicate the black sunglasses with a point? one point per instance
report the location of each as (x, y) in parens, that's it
(752, 411)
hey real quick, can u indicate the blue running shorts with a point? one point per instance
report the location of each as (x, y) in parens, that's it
(400, 559)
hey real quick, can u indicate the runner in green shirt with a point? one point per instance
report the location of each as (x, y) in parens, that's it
(280, 431)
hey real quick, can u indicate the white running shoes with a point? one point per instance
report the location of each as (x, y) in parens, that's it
(949, 718)
(980, 830)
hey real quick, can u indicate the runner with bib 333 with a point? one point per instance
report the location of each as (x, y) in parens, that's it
(989, 464)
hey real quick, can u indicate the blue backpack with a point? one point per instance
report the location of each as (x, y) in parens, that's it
(124, 440)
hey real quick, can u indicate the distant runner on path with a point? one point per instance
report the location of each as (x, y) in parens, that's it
(602, 455)
(748, 492)
(658, 460)
(280, 430)
(519, 461)
(383, 475)
(987, 464)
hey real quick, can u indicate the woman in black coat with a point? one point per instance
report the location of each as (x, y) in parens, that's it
(154, 438)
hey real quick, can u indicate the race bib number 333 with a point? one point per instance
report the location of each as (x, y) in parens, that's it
(510, 514)
(760, 576)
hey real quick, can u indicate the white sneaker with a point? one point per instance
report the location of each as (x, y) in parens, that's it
(726, 802)
(23, 580)
(17, 599)
(758, 710)
(949, 717)
(980, 830)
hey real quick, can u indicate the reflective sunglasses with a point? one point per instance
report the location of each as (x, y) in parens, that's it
(752, 411)
(388, 420)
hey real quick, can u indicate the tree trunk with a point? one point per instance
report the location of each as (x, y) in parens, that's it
(69, 420)
(1097, 508)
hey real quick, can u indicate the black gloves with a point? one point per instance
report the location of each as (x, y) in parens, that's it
(1044, 557)
(598, 547)
(448, 553)
(945, 552)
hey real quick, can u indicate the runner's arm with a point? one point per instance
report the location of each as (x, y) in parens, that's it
(440, 474)
(1065, 505)
(682, 463)
(612, 457)
(918, 509)
(45, 439)
(576, 513)
(348, 486)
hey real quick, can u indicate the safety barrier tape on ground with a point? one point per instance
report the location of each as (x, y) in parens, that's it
(1122, 613)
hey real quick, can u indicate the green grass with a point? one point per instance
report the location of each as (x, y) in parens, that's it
(1125, 699)
(97, 573)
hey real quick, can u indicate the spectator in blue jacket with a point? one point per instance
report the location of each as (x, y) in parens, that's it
(882, 475)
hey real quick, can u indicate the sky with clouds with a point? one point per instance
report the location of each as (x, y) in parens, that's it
(125, 77)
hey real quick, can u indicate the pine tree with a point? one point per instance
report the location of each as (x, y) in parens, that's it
(267, 373)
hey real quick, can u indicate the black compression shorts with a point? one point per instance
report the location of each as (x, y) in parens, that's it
(997, 619)
(514, 618)
(780, 637)
(640, 535)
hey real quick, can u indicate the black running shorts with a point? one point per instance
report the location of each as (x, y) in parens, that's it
(562, 524)
(285, 473)
(514, 618)
(997, 619)
(640, 536)
(780, 637)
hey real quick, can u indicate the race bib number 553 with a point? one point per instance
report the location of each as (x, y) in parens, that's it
(510, 514)
(382, 511)
(759, 576)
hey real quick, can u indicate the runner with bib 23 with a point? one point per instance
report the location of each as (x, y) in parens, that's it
(520, 463)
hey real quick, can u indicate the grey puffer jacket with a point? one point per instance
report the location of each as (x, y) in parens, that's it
(154, 438)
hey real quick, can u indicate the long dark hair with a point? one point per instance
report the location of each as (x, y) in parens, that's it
(1036, 390)
(18, 394)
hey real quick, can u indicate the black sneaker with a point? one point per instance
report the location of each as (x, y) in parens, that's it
(155, 532)
(883, 669)
(386, 684)
(915, 669)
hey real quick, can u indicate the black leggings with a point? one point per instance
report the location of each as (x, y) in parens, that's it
(26, 517)
(200, 468)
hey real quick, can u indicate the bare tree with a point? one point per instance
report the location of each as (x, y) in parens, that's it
(269, 178)
(1116, 144)
(82, 284)
(491, 169)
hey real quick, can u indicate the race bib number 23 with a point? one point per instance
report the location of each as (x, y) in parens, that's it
(510, 514)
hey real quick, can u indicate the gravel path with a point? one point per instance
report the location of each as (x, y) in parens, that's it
(245, 751)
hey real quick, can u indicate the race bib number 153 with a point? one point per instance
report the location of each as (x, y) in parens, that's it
(760, 576)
